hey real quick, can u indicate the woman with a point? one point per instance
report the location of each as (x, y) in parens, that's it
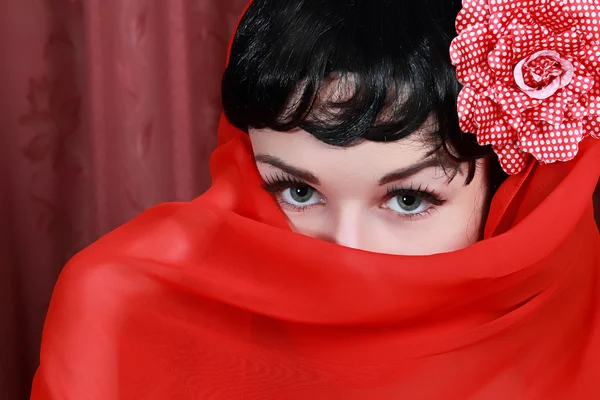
(339, 252)
(364, 151)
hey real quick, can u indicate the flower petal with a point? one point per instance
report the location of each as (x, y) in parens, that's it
(486, 110)
(473, 12)
(593, 99)
(555, 142)
(567, 42)
(553, 15)
(492, 127)
(511, 158)
(497, 6)
(551, 111)
(544, 92)
(496, 132)
(580, 85)
(586, 14)
(468, 52)
(566, 103)
(501, 22)
(589, 56)
(465, 104)
(591, 126)
(526, 39)
(470, 47)
(512, 100)
(500, 60)
(577, 110)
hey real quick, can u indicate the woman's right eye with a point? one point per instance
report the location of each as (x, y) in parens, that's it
(300, 196)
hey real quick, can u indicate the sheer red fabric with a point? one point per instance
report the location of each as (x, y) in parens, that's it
(219, 299)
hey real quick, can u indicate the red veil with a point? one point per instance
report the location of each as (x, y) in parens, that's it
(218, 299)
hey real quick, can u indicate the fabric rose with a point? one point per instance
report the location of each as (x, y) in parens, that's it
(530, 70)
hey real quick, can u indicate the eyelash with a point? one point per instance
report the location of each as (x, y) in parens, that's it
(431, 196)
(279, 182)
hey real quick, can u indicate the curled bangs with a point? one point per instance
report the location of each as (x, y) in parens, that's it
(344, 108)
(347, 71)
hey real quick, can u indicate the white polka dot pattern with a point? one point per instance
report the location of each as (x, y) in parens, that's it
(531, 76)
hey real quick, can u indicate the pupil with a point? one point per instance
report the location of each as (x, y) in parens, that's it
(409, 200)
(301, 191)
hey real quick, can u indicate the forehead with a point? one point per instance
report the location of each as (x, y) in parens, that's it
(301, 149)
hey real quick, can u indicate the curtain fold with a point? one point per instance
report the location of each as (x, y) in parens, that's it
(107, 107)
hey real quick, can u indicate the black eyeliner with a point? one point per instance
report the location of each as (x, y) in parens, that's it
(277, 182)
(427, 194)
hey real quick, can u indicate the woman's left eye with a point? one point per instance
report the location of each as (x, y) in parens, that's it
(408, 203)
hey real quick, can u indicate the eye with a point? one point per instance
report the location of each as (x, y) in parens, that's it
(408, 203)
(292, 194)
(300, 196)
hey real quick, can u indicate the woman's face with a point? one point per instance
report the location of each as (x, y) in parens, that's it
(391, 198)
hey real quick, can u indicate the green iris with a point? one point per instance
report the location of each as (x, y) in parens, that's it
(409, 202)
(302, 194)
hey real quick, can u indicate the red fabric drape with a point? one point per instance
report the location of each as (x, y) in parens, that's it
(218, 299)
(107, 107)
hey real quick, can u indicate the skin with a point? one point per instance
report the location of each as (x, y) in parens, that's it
(344, 193)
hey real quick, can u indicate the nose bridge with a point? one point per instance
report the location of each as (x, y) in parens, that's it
(347, 226)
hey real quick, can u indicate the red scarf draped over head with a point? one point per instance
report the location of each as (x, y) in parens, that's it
(218, 299)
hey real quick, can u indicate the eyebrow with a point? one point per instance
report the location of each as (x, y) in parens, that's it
(309, 177)
(407, 172)
(276, 162)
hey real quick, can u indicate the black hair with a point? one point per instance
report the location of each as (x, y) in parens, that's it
(392, 56)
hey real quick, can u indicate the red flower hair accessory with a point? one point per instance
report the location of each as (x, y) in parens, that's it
(531, 76)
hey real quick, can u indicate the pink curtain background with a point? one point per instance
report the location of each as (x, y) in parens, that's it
(107, 107)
